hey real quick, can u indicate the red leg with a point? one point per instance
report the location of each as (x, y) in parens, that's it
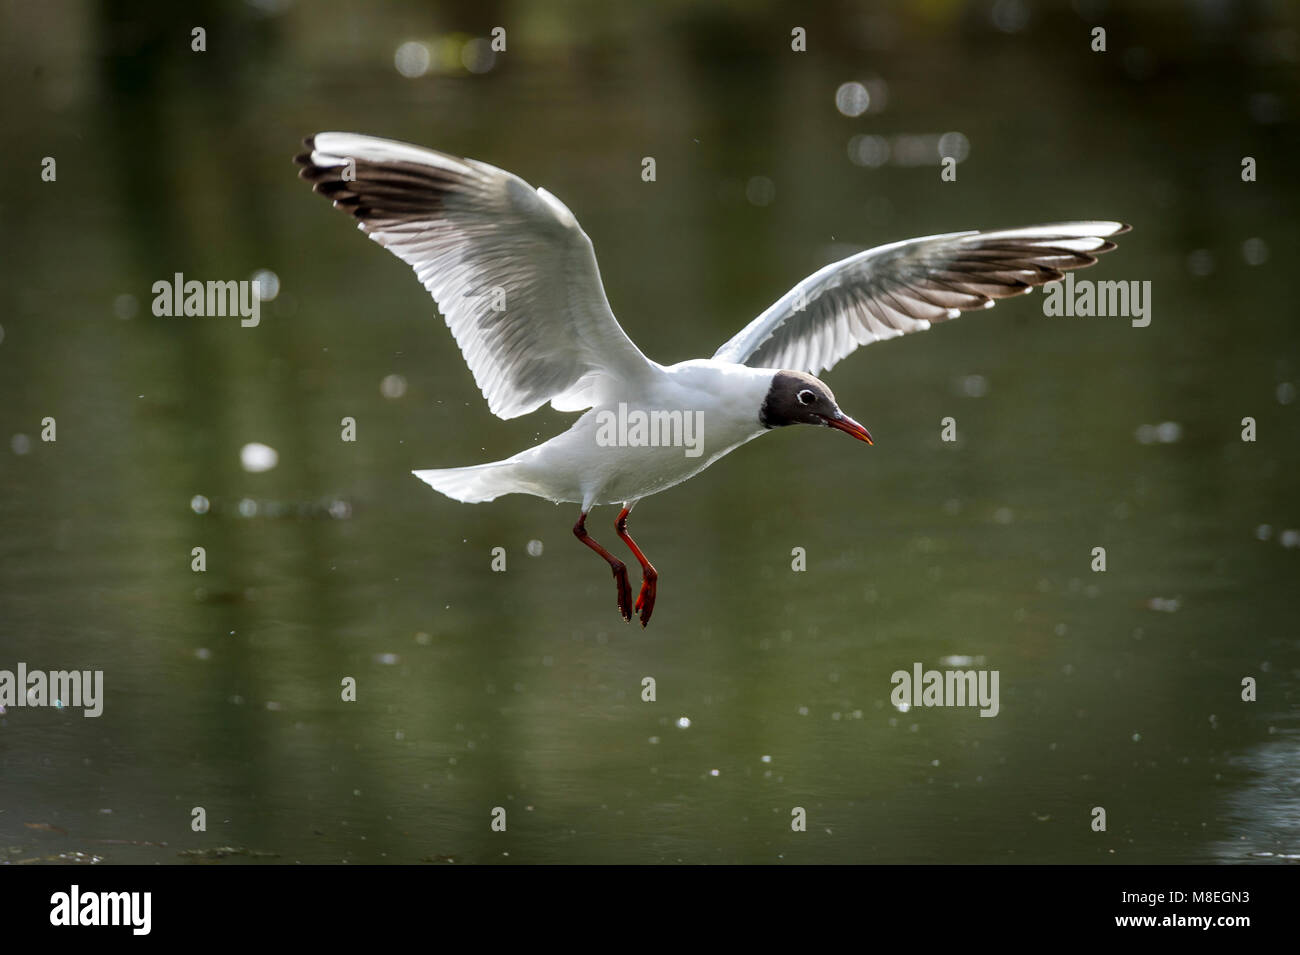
(645, 601)
(619, 568)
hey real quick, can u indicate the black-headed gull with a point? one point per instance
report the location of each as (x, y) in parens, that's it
(517, 283)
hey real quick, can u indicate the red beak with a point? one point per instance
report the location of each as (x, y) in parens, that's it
(844, 423)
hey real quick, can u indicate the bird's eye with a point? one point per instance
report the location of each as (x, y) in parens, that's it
(806, 397)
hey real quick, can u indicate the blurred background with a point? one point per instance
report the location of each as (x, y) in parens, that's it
(522, 689)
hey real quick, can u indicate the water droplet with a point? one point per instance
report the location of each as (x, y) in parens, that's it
(256, 458)
(268, 284)
(125, 306)
(954, 145)
(412, 59)
(1254, 251)
(868, 150)
(477, 55)
(852, 99)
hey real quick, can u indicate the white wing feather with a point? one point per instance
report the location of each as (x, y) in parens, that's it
(510, 268)
(904, 287)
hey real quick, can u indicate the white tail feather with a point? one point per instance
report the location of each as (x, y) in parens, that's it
(473, 485)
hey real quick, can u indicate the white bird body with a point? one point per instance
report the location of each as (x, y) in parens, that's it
(518, 286)
(721, 399)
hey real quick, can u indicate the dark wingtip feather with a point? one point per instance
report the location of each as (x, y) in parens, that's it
(309, 146)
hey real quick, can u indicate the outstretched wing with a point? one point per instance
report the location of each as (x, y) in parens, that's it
(904, 287)
(510, 268)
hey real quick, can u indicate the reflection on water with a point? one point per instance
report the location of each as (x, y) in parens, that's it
(523, 689)
(1263, 815)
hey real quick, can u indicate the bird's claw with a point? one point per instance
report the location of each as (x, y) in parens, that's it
(645, 601)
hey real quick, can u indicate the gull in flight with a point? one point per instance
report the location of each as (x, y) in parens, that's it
(516, 280)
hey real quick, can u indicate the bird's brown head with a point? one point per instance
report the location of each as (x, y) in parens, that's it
(799, 398)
